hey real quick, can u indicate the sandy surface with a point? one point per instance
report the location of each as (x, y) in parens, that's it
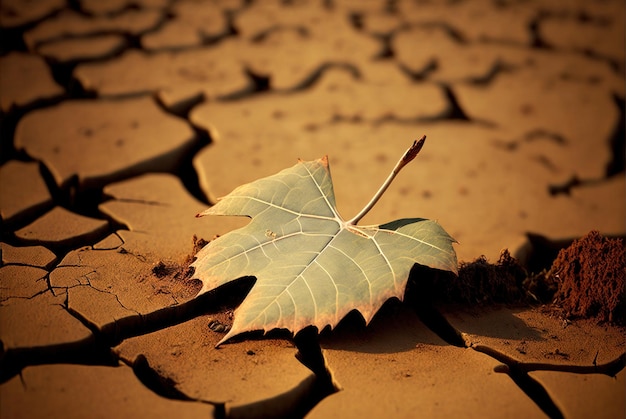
(120, 120)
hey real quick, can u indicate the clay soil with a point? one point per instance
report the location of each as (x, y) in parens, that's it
(121, 120)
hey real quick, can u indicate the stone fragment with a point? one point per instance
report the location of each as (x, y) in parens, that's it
(242, 373)
(60, 227)
(21, 282)
(160, 216)
(37, 256)
(213, 71)
(23, 192)
(41, 324)
(18, 12)
(577, 395)
(397, 367)
(530, 336)
(83, 49)
(79, 391)
(24, 80)
(103, 141)
(73, 24)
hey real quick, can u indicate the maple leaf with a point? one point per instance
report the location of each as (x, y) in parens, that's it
(311, 266)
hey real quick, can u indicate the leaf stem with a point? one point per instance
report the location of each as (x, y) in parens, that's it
(404, 160)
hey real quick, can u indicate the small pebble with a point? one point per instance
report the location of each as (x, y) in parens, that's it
(218, 327)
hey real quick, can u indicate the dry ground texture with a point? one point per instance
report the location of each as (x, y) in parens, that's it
(122, 119)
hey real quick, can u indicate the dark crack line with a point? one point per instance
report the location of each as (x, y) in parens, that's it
(117, 298)
(497, 68)
(144, 323)
(164, 386)
(23, 264)
(23, 381)
(48, 284)
(534, 28)
(112, 248)
(453, 111)
(438, 324)
(452, 32)
(310, 80)
(616, 164)
(45, 277)
(142, 202)
(16, 297)
(518, 372)
(386, 51)
(87, 351)
(295, 402)
(537, 393)
(263, 35)
(262, 83)
(539, 42)
(257, 84)
(157, 383)
(611, 368)
(421, 74)
(122, 250)
(309, 393)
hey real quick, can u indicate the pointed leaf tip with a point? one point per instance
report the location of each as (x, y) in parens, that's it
(414, 150)
(323, 161)
(226, 337)
(203, 213)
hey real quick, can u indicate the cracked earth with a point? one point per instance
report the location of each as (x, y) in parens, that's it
(122, 119)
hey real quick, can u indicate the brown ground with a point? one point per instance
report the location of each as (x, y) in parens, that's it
(120, 120)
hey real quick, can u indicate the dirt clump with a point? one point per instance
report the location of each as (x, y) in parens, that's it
(173, 276)
(483, 282)
(591, 274)
(478, 282)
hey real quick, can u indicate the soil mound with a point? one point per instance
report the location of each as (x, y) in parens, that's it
(478, 282)
(592, 278)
